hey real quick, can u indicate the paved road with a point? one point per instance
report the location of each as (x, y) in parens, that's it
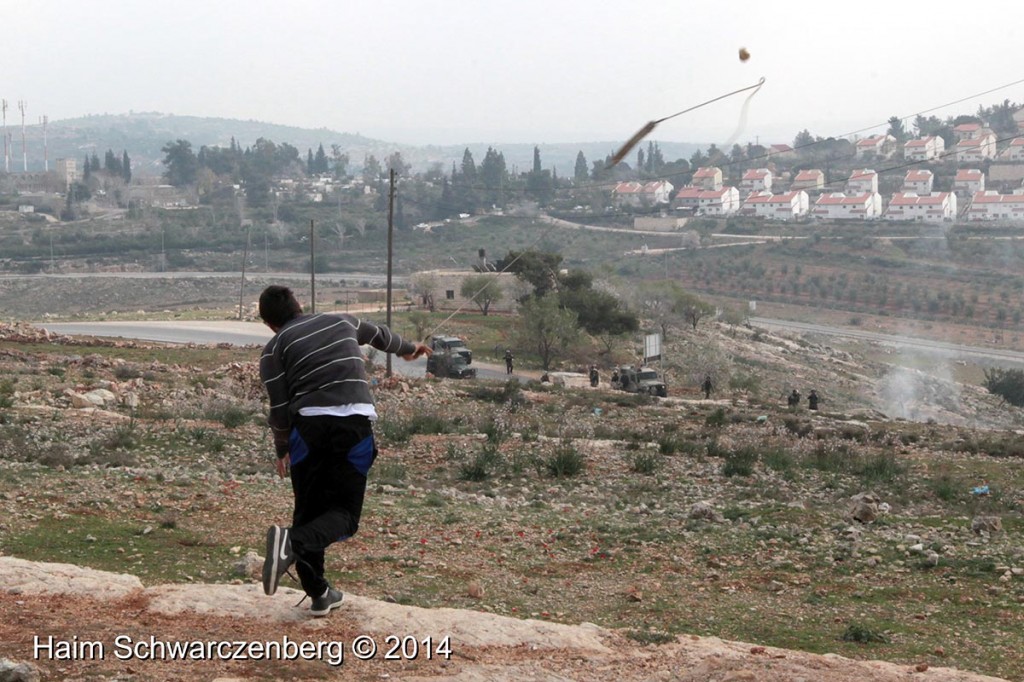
(955, 350)
(232, 332)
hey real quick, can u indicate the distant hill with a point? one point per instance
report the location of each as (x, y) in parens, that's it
(144, 134)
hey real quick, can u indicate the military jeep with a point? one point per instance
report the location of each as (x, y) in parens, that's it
(642, 380)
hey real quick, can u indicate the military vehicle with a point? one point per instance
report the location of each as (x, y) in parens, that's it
(451, 344)
(642, 380)
(450, 365)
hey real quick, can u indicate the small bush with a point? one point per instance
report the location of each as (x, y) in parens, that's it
(778, 459)
(716, 418)
(646, 463)
(669, 445)
(126, 372)
(739, 462)
(945, 488)
(389, 471)
(797, 427)
(232, 416)
(428, 424)
(863, 635)
(482, 466)
(881, 468)
(827, 457)
(566, 461)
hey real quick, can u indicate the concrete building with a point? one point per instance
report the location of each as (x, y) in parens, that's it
(934, 208)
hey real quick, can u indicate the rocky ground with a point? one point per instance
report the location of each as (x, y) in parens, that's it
(511, 517)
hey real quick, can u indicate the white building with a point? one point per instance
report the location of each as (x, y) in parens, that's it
(968, 182)
(812, 179)
(935, 207)
(637, 194)
(864, 181)
(756, 180)
(990, 205)
(968, 131)
(725, 201)
(924, 149)
(881, 146)
(918, 182)
(709, 178)
(839, 206)
(976, 149)
(1015, 152)
(786, 206)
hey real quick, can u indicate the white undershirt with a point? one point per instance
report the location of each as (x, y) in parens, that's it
(361, 409)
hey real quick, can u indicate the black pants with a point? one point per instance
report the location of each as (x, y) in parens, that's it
(329, 482)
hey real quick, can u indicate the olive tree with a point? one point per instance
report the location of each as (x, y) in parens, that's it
(482, 290)
(546, 327)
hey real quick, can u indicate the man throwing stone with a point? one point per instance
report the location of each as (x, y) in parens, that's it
(321, 415)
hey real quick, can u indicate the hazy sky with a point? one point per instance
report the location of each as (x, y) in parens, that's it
(536, 71)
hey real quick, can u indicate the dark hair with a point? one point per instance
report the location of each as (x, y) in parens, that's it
(278, 305)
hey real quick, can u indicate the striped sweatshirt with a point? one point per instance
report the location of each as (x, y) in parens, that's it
(315, 361)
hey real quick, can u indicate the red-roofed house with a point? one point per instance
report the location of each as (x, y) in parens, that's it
(924, 149)
(780, 151)
(637, 194)
(723, 201)
(1018, 117)
(976, 149)
(812, 179)
(756, 180)
(880, 145)
(863, 181)
(786, 206)
(990, 205)
(932, 208)
(918, 181)
(708, 178)
(968, 182)
(839, 206)
(969, 131)
(1015, 152)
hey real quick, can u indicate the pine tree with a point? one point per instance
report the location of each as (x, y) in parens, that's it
(126, 168)
(536, 159)
(320, 160)
(581, 172)
(86, 169)
(309, 162)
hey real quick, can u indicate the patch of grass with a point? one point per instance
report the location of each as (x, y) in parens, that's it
(797, 427)
(121, 545)
(231, 416)
(123, 437)
(829, 457)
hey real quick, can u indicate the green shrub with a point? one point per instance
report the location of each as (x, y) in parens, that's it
(778, 459)
(946, 488)
(566, 461)
(646, 463)
(881, 468)
(482, 466)
(797, 427)
(716, 418)
(739, 462)
(863, 635)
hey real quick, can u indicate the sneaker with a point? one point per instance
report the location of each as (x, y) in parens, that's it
(322, 605)
(278, 559)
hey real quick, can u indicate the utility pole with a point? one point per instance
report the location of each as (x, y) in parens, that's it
(312, 268)
(266, 252)
(391, 233)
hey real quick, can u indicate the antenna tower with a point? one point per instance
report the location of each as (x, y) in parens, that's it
(7, 151)
(46, 149)
(24, 150)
